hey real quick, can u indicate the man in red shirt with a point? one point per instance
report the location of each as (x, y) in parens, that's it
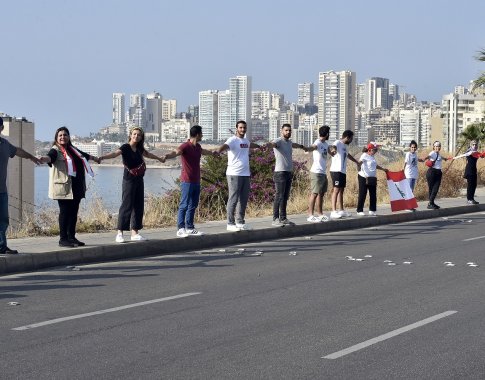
(190, 152)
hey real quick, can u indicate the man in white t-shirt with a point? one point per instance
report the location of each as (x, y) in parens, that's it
(238, 175)
(318, 176)
(338, 170)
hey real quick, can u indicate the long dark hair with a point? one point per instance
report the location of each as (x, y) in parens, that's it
(140, 145)
(57, 133)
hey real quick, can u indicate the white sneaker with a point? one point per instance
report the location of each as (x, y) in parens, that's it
(323, 218)
(335, 215)
(345, 214)
(360, 213)
(313, 219)
(244, 227)
(194, 232)
(372, 213)
(181, 233)
(137, 237)
(233, 227)
(120, 238)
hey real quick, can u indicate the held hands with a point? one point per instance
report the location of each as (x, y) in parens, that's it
(162, 159)
(37, 161)
(43, 160)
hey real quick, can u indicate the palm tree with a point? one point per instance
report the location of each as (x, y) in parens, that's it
(480, 81)
(475, 132)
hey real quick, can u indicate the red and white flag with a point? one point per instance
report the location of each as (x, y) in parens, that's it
(400, 193)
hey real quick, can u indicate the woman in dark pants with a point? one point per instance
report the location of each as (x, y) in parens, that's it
(434, 174)
(130, 215)
(67, 183)
(472, 155)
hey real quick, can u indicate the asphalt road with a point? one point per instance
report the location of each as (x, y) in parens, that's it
(221, 315)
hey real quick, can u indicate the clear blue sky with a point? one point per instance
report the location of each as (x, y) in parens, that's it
(62, 60)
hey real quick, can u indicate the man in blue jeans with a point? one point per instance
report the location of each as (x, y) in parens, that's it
(283, 174)
(7, 151)
(190, 153)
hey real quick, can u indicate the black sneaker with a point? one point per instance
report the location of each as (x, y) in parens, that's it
(472, 202)
(432, 206)
(67, 244)
(286, 222)
(77, 242)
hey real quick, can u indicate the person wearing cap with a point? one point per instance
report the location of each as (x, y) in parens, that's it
(130, 215)
(367, 178)
(338, 170)
(434, 161)
(7, 151)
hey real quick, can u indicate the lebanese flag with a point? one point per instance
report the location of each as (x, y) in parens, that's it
(400, 193)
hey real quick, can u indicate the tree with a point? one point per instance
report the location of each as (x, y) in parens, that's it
(480, 81)
(474, 131)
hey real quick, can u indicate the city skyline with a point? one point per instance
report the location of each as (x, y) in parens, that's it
(62, 63)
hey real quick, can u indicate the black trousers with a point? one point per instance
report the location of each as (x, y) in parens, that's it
(68, 210)
(282, 181)
(130, 215)
(433, 176)
(363, 188)
(471, 186)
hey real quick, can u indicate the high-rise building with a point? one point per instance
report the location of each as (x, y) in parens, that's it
(137, 100)
(360, 97)
(277, 101)
(459, 111)
(261, 103)
(118, 108)
(137, 112)
(393, 94)
(169, 109)
(376, 93)
(409, 122)
(208, 112)
(153, 122)
(305, 94)
(274, 124)
(240, 88)
(336, 101)
(225, 128)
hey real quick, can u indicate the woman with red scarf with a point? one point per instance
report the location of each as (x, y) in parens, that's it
(67, 183)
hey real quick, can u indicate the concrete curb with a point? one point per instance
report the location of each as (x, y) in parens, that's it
(27, 262)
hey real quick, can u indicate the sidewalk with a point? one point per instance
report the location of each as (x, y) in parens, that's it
(43, 252)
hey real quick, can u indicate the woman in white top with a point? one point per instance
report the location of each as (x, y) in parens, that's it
(434, 174)
(411, 164)
(367, 178)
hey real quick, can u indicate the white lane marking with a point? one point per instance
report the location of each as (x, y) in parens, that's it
(58, 320)
(388, 335)
(475, 238)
